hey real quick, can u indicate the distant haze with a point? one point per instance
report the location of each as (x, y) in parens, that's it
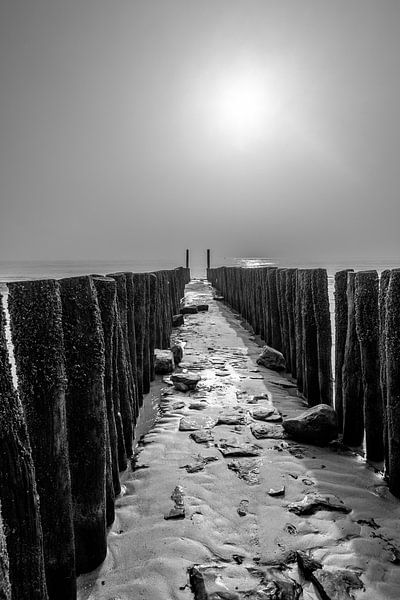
(140, 128)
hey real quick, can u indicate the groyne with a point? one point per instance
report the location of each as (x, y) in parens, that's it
(83, 348)
(289, 309)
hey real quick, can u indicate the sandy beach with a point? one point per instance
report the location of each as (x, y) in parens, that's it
(231, 525)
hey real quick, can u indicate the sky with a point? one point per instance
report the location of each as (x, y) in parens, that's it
(134, 129)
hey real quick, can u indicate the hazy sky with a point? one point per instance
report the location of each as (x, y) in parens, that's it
(139, 128)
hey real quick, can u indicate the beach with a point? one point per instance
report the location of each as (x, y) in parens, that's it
(232, 527)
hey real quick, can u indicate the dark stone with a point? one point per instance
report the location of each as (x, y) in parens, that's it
(243, 508)
(314, 502)
(336, 585)
(237, 448)
(177, 351)
(316, 425)
(246, 469)
(307, 565)
(189, 310)
(202, 436)
(188, 380)
(163, 362)
(178, 511)
(202, 307)
(267, 431)
(272, 359)
(177, 320)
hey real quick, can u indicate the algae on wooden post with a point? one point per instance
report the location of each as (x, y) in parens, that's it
(392, 326)
(107, 296)
(324, 334)
(36, 326)
(86, 418)
(5, 587)
(18, 494)
(341, 318)
(383, 285)
(353, 409)
(367, 326)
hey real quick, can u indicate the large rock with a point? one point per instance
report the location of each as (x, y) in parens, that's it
(177, 320)
(316, 425)
(272, 359)
(336, 585)
(163, 361)
(177, 351)
(185, 381)
(190, 309)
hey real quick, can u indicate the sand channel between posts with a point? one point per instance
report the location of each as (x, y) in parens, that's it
(230, 520)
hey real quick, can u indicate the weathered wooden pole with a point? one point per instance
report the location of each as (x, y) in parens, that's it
(324, 334)
(366, 300)
(341, 318)
(383, 286)
(392, 326)
(276, 337)
(311, 385)
(146, 333)
(36, 326)
(5, 587)
(208, 259)
(298, 326)
(86, 418)
(290, 293)
(107, 297)
(140, 299)
(117, 340)
(187, 259)
(152, 320)
(18, 494)
(353, 402)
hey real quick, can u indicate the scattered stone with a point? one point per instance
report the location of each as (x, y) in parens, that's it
(231, 419)
(266, 413)
(202, 436)
(370, 522)
(267, 430)
(199, 465)
(290, 529)
(336, 585)
(202, 307)
(243, 508)
(307, 565)
(222, 373)
(219, 298)
(163, 361)
(236, 581)
(315, 425)
(195, 422)
(197, 405)
(272, 359)
(178, 405)
(284, 383)
(177, 352)
(236, 448)
(314, 502)
(189, 310)
(246, 469)
(177, 320)
(178, 512)
(185, 381)
(278, 492)
(255, 399)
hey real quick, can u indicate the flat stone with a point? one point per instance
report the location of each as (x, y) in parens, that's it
(202, 307)
(316, 425)
(231, 419)
(237, 448)
(284, 383)
(185, 381)
(163, 361)
(195, 422)
(198, 405)
(199, 465)
(272, 359)
(177, 320)
(315, 502)
(278, 492)
(202, 436)
(246, 469)
(259, 398)
(237, 582)
(336, 585)
(189, 309)
(267, 431)
(243, 508)
(219, 298)
(266, 413)
(175, 513)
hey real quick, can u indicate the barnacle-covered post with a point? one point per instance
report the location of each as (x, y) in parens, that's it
(36, 327)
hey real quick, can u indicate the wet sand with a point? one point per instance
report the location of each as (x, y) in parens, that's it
(230, 520)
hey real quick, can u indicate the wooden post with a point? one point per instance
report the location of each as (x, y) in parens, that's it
(290, 304)
(393, 378)
(107, 297)
(276, 338)
(86, 418)
(18, 494)
(140, 297)
(208, 259)
(152, 320)
(353, 410)
(187, 259)
(310, 343)
(298, 326)
(383, 286)
(5, 588)
(324, 334)
(36, 326)
(367, 326)
(341, 318)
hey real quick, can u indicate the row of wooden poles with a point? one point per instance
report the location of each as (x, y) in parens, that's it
(84, 354)
(290, 310)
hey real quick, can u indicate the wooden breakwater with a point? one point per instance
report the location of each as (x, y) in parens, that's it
(83, 349)
(289, 309)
